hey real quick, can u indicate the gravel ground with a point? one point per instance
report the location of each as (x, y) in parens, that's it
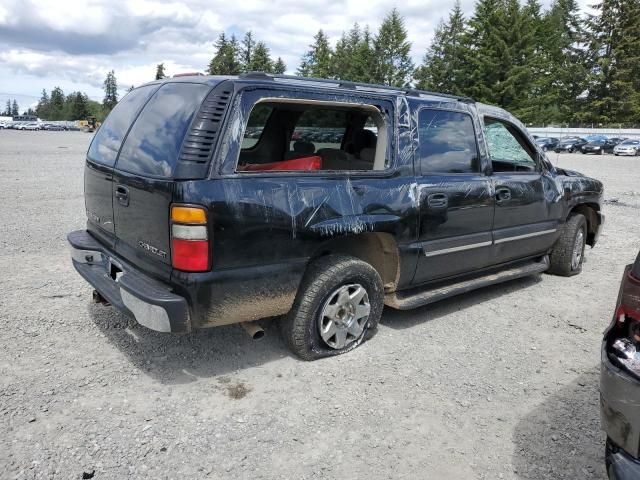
(499, 383)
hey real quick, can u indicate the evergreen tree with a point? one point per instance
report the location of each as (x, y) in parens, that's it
(226, 61)
(392, 52)
(160, 71)
(613, 39)
(77, 106)
(42, 110)
(279, 67)
(559, 74)
(317, 62)
(110, 92)
(445, 66)
(15, 109)
(260, 59)
(7, 109)
(626, 77)
(248, 47)
(500, 54)
(354, 57)
(56, 104)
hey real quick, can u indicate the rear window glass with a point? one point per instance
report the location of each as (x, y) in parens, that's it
(108, 139)
(153, 144)
(447, 142)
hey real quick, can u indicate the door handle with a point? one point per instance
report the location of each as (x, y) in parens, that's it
(503, 194)
(122, 194)
(437, 200)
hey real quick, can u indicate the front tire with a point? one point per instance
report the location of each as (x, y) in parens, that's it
(338, 306)
(567, 254)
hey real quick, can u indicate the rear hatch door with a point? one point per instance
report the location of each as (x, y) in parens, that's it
(101, 158)
(143, 178)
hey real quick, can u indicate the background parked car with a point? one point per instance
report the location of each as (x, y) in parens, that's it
(547, 143)
(628, 147)
(52, 126)
(570, 144)
(620, 380)
(617, 140)
(28, 126)
(598, 147)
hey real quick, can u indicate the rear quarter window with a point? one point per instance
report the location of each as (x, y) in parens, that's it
(153, 144)
(107, 141)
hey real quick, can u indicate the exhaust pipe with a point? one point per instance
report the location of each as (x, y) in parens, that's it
(97, 298)
(254, 330)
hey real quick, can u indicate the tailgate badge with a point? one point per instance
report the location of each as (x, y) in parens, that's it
(152, 249)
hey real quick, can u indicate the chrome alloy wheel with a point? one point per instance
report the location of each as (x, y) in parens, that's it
(578, 248)
(344, 316)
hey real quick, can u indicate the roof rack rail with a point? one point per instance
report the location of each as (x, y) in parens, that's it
(352, 85)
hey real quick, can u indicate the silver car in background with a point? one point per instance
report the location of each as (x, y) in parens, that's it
(628, 147)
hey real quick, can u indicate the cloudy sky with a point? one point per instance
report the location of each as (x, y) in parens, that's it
(73, 44)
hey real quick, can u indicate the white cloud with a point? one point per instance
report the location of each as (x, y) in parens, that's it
(76, 43)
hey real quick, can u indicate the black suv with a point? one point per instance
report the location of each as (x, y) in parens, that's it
(415, 197)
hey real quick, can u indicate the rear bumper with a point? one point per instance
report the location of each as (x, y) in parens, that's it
(150, 302)
(621, 466)
(620, 408)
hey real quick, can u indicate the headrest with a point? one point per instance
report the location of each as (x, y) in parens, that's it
(303, 147)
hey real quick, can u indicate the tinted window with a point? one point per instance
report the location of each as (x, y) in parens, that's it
(153, 144)
(447, 142)
(107, 141)
(508, 150)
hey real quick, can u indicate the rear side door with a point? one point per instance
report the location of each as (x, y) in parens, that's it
(455, 196)
(101, 158)
(524, 223)
(143, 178)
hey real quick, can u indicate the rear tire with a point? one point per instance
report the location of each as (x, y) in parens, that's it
(327, 302)
(567, 254)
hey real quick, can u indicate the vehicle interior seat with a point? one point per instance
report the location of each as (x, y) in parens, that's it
(300, 149)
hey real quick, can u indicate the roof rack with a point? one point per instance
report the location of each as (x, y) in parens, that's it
(412, 92)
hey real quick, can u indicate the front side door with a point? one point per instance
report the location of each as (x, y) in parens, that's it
(455, 196)
(524, 224)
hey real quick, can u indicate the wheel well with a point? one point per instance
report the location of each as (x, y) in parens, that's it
(589, 212)
(377, 249)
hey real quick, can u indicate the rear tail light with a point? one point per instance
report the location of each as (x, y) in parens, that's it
(189, 239)
(625, 345)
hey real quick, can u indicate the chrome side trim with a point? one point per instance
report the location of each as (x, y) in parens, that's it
(526, 235)
(456, 249)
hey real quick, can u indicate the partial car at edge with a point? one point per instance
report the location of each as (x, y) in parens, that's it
(620, 381)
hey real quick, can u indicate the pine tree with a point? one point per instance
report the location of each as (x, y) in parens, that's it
(15, 109)
(445, 66)
(317, 62)
(626, 76)
(354, 58)
(77, 106)
(559, 74)
(392, 52)
(42, 110)
(7, 109)
(260, 59)
(160, 71)
(248, 47)
(226, 61)
(279, 67)
(110, 92)
(56, 104)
